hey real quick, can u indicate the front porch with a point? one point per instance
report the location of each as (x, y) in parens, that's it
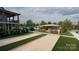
(9, 21)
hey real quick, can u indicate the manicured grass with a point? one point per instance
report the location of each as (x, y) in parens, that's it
(14, 35)
(66, 44)
(16, 44)
(66, 33)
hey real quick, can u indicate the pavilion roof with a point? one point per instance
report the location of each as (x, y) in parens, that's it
(50, 25)
(7, 12)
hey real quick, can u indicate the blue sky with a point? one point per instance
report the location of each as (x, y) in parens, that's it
(53, 14)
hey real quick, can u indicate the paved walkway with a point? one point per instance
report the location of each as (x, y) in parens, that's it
(14, 39)
(68, 36)
(75, 35)
(45, 43)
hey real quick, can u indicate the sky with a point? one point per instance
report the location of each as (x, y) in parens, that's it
(53, 14)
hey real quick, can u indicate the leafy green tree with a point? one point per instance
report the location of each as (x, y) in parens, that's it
(49, 22)
(29, 23)
(78, 23)
(66, 25)
(43, 22)
(37, 24)
(54, 23)
(60, 22)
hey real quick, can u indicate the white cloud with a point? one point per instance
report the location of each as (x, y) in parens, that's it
(46, 13)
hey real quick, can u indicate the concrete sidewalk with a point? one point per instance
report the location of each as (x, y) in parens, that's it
(14, 39)
(76, 35)
(45, 43)
(67, 36)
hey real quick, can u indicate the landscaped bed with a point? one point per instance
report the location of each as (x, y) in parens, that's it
(14, 35)
(16, 44)
(66, 44)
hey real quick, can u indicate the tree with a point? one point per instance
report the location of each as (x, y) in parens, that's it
(43, 22)
(30, 23)
(66, 25)
(78, 23)
(54, 23)
(37, 24)
(60, 22)
(49, 22)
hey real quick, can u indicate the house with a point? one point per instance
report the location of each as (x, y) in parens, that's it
(8, 21)
(76, 27)
(53, 28)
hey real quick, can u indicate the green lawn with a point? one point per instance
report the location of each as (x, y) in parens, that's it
(16, 44)
(66, 33)
(66, 44)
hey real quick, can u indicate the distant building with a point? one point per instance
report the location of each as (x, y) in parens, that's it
(8, 21)
(53, 28)
(77, 26)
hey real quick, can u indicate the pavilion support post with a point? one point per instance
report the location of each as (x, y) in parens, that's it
(18, 22)
(9, 19)
(13, 18)
(12, 24)
(8, 26)
(18, 18)
(4, 27)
